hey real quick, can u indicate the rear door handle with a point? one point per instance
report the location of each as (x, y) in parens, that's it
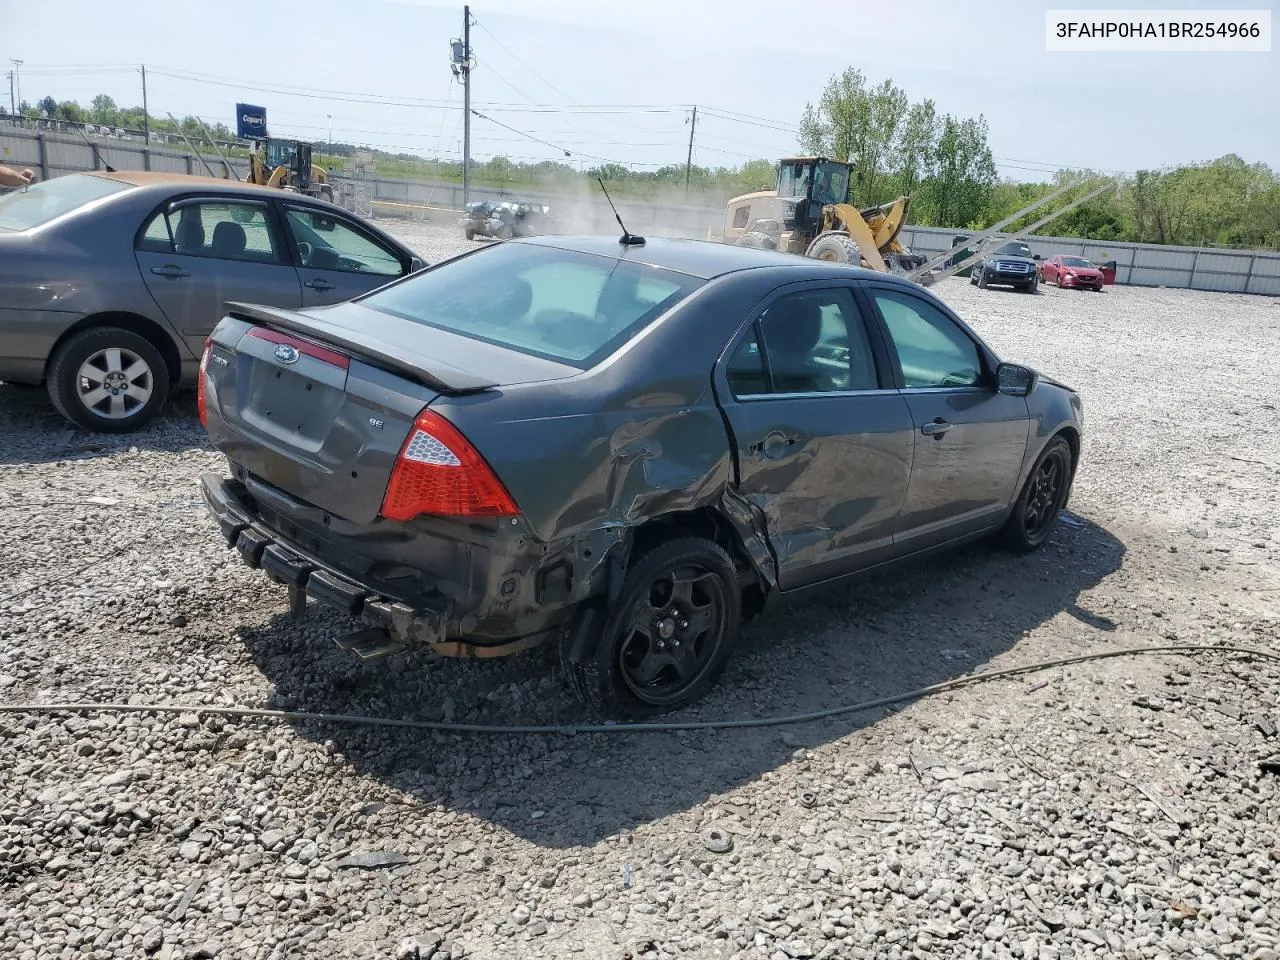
(321, 285)
(170, 270)
(935, 428)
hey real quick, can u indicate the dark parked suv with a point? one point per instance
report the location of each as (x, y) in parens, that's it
(623, 449)
(1013, 265)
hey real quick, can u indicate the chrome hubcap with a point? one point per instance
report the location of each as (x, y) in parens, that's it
(114, 383)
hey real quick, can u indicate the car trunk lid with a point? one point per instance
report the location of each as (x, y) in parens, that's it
(316, 406)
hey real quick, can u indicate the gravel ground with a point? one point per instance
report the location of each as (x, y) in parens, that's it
(1109, 809)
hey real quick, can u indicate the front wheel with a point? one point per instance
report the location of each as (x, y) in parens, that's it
(108, 380)
(667, 639)
(982, 280)
(471, 234)
(835, 247)
(1042, 498)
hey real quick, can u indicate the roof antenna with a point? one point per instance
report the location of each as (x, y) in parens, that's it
(627, 239)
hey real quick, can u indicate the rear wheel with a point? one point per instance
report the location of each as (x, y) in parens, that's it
(1042, 499)
(835, 247)
(471, 234)
(108, 380)
(667, 639)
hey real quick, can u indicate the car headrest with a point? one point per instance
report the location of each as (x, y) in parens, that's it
(794, 326)
(511, 298)
(190, 233)
(228, 239)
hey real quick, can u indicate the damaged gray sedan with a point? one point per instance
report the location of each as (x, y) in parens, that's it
(623, 449)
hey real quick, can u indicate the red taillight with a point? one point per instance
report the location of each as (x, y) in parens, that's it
(204, 366)
(439, 472)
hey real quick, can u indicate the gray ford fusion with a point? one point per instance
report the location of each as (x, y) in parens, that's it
(623, 448)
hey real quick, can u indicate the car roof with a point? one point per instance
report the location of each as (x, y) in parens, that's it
(154, 178)
(705, 259)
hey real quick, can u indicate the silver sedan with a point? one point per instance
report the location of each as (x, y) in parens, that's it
(110, 282)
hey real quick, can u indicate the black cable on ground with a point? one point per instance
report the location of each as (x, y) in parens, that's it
(655, 727)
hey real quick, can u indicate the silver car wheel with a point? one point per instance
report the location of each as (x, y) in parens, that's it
(114, 383)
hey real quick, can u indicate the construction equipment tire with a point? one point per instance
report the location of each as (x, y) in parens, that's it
(757, 241)
(835, 247)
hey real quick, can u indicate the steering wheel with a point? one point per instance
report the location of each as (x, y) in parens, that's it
(304, 251)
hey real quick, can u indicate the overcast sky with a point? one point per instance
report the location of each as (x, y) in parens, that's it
(649, 61)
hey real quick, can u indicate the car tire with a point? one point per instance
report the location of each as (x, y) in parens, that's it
(1043, 496)
(687, 576)
(982, 280)
(835, 247)
(471, 234)
(107, 350)
(1060, 284)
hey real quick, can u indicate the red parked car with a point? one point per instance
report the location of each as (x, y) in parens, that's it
(1068, 271)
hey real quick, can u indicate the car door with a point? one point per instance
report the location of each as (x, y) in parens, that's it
(196, 253)
(337, 258)
(823, 440)
(1049, 269)
(969, 438)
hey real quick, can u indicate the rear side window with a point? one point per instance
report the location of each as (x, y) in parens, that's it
(41, 202)
(217, 229)
(814, 342)
(571, 307)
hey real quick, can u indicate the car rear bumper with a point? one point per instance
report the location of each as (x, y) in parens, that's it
(431, 623)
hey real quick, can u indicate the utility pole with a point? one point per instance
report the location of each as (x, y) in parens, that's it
(16, 87)
(466, 105)
(13, 103)
(460, 63)
(146, 122)
(688, 164)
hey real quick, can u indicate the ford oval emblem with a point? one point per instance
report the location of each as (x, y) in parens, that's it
(286, 354)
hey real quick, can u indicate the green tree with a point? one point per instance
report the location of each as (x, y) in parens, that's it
(48, 107)
(72, 111)
(102, 109)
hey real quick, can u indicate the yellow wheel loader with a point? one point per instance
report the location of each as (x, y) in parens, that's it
(287, 164)
(808, 214)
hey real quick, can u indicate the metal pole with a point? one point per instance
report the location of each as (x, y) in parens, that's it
(198, 154)
(17, 84)
(1026, 231)
(13, 100)
(466, 106)
(146, 122)
(978, 238)
(688, 163)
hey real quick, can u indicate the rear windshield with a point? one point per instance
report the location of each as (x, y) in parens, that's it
(39, 203)
(574, 308)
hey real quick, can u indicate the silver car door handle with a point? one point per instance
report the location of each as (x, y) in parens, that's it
(170, 270)
(320, 285)
(935, 428)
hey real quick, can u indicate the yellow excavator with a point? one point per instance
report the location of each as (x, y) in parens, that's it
(287, 164)
(809, 214)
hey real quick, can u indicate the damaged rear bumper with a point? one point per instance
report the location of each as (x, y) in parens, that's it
(308, 578)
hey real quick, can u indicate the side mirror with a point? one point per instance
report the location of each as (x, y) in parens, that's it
(1035, 256)
(415, 264)
(1015, 380)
